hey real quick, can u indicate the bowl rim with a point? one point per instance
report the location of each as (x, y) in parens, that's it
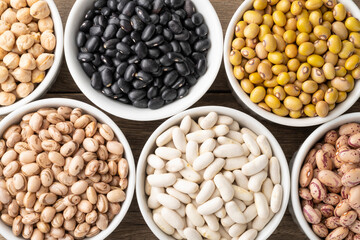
(54, 70)
(127, 111)
(244, 120)
(244, 98)
(16, 116)
(299, 159)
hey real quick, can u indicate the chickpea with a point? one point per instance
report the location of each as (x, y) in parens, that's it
(24, 89)
(27, 61)
(23, 15)
(31, 2)
(4, 26)
(9, 85)
(9, 16)
(3, 7)
(40, 10)
(44, 61)
(11, 60)
(48, 40)
(21, 75)
(7, 99)
(36, 50)
(33, 27)
(17, 4)
(4, 73)
(19, 29)
(7, 40)
(25, 42)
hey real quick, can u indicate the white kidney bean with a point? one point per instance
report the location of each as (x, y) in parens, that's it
(194, 215)
(235, 213)
(274, 170)
(192, 151)
(220, 130)
(261, 204)
(178, 195)
(181, 210)
(192, 234)
(185, 124)
(229, 176)
(212, 222)
(214, 168)
(228, 151)
(202, 161)
(255, 166)
(200, 136)
(242, 194)
(185, 186)
(173, 218)
(175, 165)
(225, 140)
(235, 163)
(161, 180)
(208, 146)
(259, 223)
(164, 138)
(249, 235)
(211, 206)
(209, 121)
(276, 198)
(256, 181)
(167, 153)
(240, 179)
(224, 187)
(237, 229)
(190, 174)
(179, 139)
(207, 233)
(168, 201)
(264, 146)
(267, 189)
(162, 224)
(206, 190)
(155, 162)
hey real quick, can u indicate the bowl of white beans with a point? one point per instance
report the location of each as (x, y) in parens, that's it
(212, 172)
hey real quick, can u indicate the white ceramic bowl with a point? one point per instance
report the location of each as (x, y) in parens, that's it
(245, 121)
(16, 116)
(297, 164)
(244, 98)
(127, 111)
(53, 72)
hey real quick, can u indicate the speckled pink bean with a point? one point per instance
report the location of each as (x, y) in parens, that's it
(317, 189)
(338, 233)
(332, 222)
(348, 218)
(349, 156)
(351, 178)
(354, 140)
(306, 202)
(345, 192)
(329, 178)
(342, 207)
(323, 160)
(349, 129)
(327, 210)
(311, 215)
(355, 227)
(320, 230)
(304, 193)
(356, 237)
(332, 199)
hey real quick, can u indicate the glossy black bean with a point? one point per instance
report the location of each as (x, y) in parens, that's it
(144, 76)
(158, 73)
(88, 68)
(105, 11)
(110, 31)
(124, 17)
(158, 83)
(196, 56)
(181, 81)
(116, 62)
(101, 49)
(104, 66)
(106, 77)
(145, 3)
(92, 43)
(189, 24)
(149, 65)
(96, 30)
(141, 50)
(115, 88)
(142, 14)
(202, 30)
(166, 61)
(193, 37)
(130, 72)
(95, 81)
(135, 36)
(124, 86)
(122, 68)
(136, 95)
(99, 3)
(111, 53)
(107, 60)
(134, 59)
(168, 35)
(129, 9)
(155, 18)
(159, 29)
(175, 27)
(127, 40)
(189, 8)
(121, 56)
(80, 39)
(156, 103)
(143, 103)
(123, 48)
(85, 26)
(191, 80)
(148, 32)
(182, 69)
(152, 92)
(170, 78)
(176, 3)
(201, 67)
(181, 13)
(85, 57)
(183, 92)
(138, 84)
(120, 33)
(111, 44)
(154, 53)
(185, 48)
(165, 48)
(122, 3)
(190, 63)
(102, 21)
(168, 69)
(169, 94)
(125, 25)
(124, 100)
(175, 17)
(115, 21)
(197, 19)
(165, 18)
(97, 60)
(112, 4)
(202, 45)
(136, 23)
(157, 6)
(183, 36)
(90, 14)
(107, 92)
(156, 41)
(176, 57)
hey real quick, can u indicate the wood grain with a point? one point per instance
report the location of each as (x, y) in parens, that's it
(133, 226)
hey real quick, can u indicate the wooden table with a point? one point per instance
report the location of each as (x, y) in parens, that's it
(133, 226)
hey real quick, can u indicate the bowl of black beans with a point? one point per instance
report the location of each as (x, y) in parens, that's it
(143, 60)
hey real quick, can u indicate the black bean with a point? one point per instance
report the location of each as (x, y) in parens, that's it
(136, 95)
(185, 48)
(115, 88)
(112, 4)
(106, 77)
(110, 31)
(129, 8)
(104, 66)
(133, 59)
(124, 100)
(80, 39)
(155, 19)
(127, 40)
(176, 57)
(85, 26)
(202, 30)
(85, 57)
(148, 32)
(197, 19)
(144, 3)
(156, 41)
(175, 46)
(135, 36)
(116, 62)
(122, 68)
(190, 63)
(154, 53)
(144, 76)
(105, 11)
(202, 45)
(122, 4)
(158, 83)
(158, 73)
(96, 20)
(167, 69)
(90, 14)
(165, 47)
(183, 36)
(181, 81)
(159, 29)
(130, 72)
(175, 17)
(136, 23)
(97, 60)
(123, 48)
(166, 61)
(141, 50)
(102, 49)
(169, 94)
(121, 56)
(115, 21)
(92, 43)
(138, 84)
(111, 44)
(107, 92)
(120, 33)
(142, 14)
(111, 53)
(102, 21)
(156, 103)
(124, 86)
(181, 13)
(189, 24)
(175, 27)
(196, 56)
(125, 25)
(124, 17)
(88, 68)
(152, 92)
(96, 30)
(191, 80)
(189, 8)
(143, 103)
(165, 18)
(193, 37)
(107, 60)
(157, 6)
(117, 96)
(149, 65)
(168, 35)
(99, 3)
(170, 78)
(96, 82)
(183, 92)
(177, 3)
(201, 67)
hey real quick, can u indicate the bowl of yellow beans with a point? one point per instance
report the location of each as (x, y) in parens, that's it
(295, 63)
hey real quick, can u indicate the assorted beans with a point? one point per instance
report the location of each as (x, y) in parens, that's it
(329, 184)
(63, 175)
(297, 58)
(27, 43)
(144, 53)
(211, 179)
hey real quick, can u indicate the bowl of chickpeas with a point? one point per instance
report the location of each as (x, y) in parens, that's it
(295, 63)
(31, 50)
